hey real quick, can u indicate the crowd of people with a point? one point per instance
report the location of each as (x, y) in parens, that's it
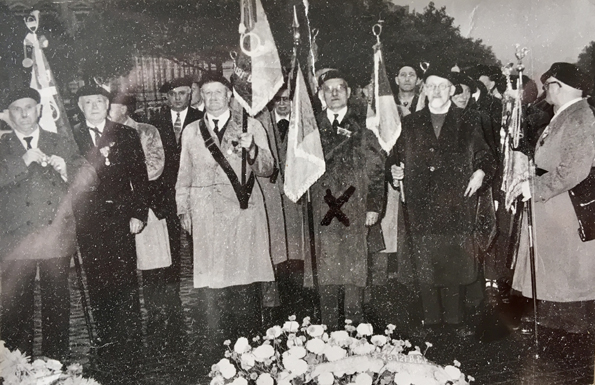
(256, 254)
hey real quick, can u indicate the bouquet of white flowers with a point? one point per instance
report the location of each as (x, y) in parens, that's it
(295, 354)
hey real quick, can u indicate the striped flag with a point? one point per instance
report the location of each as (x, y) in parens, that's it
(384, 120)
(257, 73)
(305, 159)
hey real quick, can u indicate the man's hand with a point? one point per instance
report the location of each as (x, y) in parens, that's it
(59, 165)
(186, 222)
(247, 142)
(522, 188)
(371, 218)
(474, 183)
(34, 155)
(136, 225)
(398, 172)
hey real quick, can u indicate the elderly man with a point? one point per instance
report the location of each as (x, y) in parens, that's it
(37, 230)
(446, 160)
(108, 219)
(407, 80)
(346, 200)
(227, 220)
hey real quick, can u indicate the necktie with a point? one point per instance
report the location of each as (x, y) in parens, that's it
(178, 127)
(96, 134)
(28, 139)
(336, 122)
(216, 129)
(283, 126)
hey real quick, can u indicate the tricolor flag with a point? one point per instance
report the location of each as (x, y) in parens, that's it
(257, 73)
(305, 159)
(385, 121)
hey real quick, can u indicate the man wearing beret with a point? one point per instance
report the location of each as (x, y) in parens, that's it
(346, 201)
(446, 161)
(227, 220)
(107, 220)
(37, 228)
(564, 157)
(170, 122)
(407, 80)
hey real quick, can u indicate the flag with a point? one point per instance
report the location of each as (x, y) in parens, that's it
(384, 121)
(257, 73)
(53, 117)
(305, 159)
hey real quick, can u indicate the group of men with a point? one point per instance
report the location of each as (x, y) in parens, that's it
(217, 175)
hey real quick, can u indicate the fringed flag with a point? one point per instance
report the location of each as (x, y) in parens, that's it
(384, 121)
(257, 74)
(53, 117)
(305, 159)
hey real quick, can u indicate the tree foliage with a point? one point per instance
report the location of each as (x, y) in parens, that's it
(586, 59)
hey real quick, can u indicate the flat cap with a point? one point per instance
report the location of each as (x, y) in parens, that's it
(22, 93)
(331, 74)
(89, 90)
(214, 77)
(175, 83)
(570, 75)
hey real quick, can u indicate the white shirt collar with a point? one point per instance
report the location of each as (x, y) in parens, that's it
(100, 127)
(222, 119)
(280, 117)
(174, 115)
(341, 114)
(443, 110)
(34, 141)
(566, 105)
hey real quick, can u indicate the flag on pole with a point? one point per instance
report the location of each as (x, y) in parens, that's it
(54, 117)
(305, 159)
(384, 121)
(257, 74)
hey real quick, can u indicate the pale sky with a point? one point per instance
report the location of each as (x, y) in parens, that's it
(552, 30)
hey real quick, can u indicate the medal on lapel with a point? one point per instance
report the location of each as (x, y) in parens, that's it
(105, 151)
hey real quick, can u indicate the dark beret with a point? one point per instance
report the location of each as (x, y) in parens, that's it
(214, 77)
(416, 68)
(22, 93)
(124, 99)
(331, 74)
(460, 78)
(570, 75)
(93, 90)
(175, 83)
(440, 71)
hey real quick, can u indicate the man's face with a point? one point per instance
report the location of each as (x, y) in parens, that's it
(439, 90)
(94, 107)
(24, 113)
(406, 79)
(196, 99)
(336, 93)
(461, 100)
(179, 98)
(216, 97)
(552, 88)
(118, 113)
(282, 103)
(487, 82)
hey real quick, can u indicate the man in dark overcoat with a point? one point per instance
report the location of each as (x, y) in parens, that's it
(107, 220)
(37, 229)
(446, 161)
(171, 121)
(346, 201)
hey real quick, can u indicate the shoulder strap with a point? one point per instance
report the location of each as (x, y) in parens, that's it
(243, 192)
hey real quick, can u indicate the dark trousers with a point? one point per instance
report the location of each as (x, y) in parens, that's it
(109, 260)
(442, 304)
(330, 298)
(18, 285)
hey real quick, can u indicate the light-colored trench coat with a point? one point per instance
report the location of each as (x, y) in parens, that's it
(565, 265)
(231, 245)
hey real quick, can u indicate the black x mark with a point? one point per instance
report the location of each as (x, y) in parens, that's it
(335, 207)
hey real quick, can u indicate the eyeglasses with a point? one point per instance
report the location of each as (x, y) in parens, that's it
(546, 86)
(441, 87)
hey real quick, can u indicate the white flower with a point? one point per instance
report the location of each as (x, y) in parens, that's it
(326, 379)
(297, 367)
(453, 372)
(54, 365)
(263, 352)
(242, 345)
(315, 345)
(365, 329)
(363, 379)
(247, 360)
(291, 326)
(341, 337)
(362, 348)
(217, 380)
(334, 353)
(379, 340)
(315, 330)
(297, 352)
(265, 379)
(456, 363)
(227, 369)
(274, 332)
(239, 381)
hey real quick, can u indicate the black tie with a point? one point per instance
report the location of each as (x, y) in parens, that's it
(28, 139)
(216, 129)
(336, 123)
(96, 134)
(283, 126)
